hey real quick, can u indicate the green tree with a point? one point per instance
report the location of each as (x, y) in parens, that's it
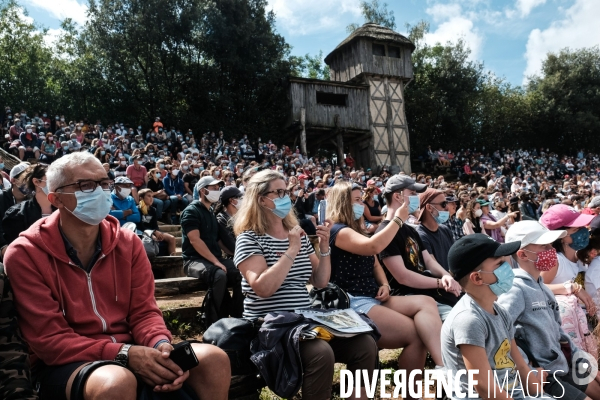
(24, 61)
(376, 13)
(442, 102)
(308, 66)
(206, 63)
(565, 99)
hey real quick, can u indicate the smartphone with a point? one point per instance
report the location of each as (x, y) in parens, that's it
(184, 356)
(322, 211)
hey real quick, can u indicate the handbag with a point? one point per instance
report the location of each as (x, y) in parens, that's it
(331, 296)
(150, 245)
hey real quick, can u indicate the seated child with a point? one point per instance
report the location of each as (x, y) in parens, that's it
(478, 334)
(534, 311)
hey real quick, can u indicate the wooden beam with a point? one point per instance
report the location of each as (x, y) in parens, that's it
(340, 148)
(303, 133)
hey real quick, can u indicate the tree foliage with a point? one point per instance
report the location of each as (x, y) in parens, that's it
(24, 60)
(375, 13)
(308, 66)
(454, 103)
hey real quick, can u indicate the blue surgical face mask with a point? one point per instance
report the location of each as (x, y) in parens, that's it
(1, 165)
(413, 204)
(358, 209)
(442, 216)
(92, 207)
(45, 188)
(282, 206)
(504, 279)
(196, 171)
(581, 238)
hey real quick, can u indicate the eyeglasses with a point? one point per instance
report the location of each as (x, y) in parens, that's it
(281, 193)
(443, 204)
(88, 186)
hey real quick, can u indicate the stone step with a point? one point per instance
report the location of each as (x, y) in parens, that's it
(178, 241)
(176, 233)
(169, 228)
(175, 286)
(167, 267)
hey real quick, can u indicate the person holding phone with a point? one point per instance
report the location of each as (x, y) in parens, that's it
(410, 322)
(276, 260)
(93, 299)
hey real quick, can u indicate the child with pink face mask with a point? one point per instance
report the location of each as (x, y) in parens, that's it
(534, 310)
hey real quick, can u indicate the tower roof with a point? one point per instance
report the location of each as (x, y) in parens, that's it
(375, 32)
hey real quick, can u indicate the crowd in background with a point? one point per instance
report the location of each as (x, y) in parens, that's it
(247, 208)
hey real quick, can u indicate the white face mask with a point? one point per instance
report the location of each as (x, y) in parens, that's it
(239, 203)
(478, 213)
(124, 192)
(213, 196)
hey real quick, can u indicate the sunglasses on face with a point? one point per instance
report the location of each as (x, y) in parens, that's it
(443, 204)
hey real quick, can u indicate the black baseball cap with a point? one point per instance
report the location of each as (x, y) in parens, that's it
(470, 251)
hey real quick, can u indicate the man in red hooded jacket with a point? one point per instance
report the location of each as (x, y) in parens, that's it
(84, 292)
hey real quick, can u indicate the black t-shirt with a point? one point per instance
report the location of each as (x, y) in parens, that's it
(90, 136)
(437, 243)
(191, 179)
(148, 221)
(155, 186)
(407, 244)
(352, 272)
(197, 216)
(226, 231)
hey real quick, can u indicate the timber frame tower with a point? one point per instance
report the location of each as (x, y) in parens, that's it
(381, 58)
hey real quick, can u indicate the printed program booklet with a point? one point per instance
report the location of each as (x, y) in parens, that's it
(342, 322)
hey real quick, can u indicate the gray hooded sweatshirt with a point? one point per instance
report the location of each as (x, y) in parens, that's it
(534, 312)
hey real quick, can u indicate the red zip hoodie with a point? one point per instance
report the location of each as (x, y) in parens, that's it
(67, 315)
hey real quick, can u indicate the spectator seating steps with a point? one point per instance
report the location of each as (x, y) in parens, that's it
(176, 286)
(167, 267)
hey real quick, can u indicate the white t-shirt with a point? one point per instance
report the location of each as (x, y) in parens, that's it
(567, 269)
(592, 279)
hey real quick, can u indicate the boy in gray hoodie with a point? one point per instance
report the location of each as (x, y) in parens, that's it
(534, 311)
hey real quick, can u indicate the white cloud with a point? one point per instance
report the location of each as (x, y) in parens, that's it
(578, 28)
(525, 6)
(24, 17)
(454, 24)
(61, 9)
(304, 17)
(52, 36)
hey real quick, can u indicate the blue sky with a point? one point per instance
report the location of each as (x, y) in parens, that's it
(511, 37)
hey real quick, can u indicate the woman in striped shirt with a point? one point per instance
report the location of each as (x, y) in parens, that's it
(276, 261)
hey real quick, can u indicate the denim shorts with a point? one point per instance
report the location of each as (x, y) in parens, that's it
(362, 304)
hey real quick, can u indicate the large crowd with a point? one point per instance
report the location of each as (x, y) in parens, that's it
(470, 270)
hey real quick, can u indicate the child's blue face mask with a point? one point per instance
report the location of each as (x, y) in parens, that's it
(504, 279)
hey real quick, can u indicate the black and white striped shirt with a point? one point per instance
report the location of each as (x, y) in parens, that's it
(292, 293)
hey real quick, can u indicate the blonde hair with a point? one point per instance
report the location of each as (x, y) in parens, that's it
(339, 206)
(251, 217)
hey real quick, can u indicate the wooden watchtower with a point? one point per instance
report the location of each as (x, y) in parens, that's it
(361, 109)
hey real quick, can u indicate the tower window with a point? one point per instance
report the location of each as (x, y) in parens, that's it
(378, 49)
(332, 99)
(393, 52)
